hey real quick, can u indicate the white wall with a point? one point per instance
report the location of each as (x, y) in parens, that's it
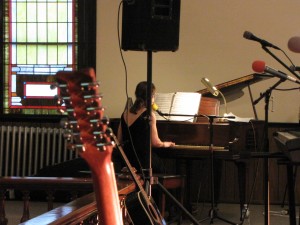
(211, 45)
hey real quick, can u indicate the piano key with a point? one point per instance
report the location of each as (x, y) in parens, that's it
(199, 147)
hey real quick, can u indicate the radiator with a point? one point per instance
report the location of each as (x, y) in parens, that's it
(25, 150)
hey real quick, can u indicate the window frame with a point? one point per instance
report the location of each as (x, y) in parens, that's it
(86, 43)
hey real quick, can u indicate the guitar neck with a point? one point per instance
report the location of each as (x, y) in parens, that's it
(79, 92)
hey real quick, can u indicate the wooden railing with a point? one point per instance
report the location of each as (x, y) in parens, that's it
(75, 212)
(72, 213)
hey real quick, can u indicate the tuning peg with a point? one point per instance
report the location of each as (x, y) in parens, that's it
(98, 96)
(90, 84)
(68, 135)
(61, 85)
(60, 100)
(109, 132)
(105, 120)
(54, 85)
(64, 122)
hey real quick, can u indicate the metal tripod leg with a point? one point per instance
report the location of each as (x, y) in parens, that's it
(187, 213)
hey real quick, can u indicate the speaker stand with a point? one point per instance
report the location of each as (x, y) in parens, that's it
(149, 177)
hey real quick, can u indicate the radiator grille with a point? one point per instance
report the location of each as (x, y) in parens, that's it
(25, 150)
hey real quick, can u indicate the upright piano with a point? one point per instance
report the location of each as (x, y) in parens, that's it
(229, 139)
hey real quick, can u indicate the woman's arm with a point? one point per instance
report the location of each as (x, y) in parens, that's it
(155, 140)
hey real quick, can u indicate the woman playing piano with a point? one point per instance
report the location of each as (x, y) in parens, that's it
(133, 129)
(132, 132)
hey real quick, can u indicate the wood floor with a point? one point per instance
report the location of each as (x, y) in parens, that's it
(230, 212)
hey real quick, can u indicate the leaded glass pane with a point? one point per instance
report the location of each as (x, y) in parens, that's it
(39, 42)
(31, 54)
(42, 32)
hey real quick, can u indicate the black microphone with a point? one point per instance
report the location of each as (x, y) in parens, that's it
(248, 35)
(260, 67)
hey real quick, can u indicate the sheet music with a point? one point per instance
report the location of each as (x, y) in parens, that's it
(164, 102)
(178, 103)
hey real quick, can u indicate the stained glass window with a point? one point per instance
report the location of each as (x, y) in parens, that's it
(39, 40)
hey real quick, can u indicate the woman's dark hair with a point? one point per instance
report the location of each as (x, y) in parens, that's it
(141, 96)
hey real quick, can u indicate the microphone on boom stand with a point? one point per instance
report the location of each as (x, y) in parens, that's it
(155, 108)
(250, 36)
(260, 67)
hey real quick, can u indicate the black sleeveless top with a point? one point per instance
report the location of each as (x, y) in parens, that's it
(138, 130)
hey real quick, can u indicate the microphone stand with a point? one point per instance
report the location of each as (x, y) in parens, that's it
(213, 212)
(280, 61)
(266, 95)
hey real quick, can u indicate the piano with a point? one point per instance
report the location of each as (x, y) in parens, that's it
(289, 142)
(229, 140)
(193, 139)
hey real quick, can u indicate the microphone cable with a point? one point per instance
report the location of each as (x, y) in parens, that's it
(126, 88)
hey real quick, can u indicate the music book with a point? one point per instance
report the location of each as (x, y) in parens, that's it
(178, 104)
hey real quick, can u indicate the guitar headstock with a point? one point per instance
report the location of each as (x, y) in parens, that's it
(79, 91)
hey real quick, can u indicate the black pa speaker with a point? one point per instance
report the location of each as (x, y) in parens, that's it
(150, 25)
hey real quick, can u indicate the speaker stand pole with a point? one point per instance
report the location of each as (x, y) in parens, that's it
(149, 175)
(149, 111)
